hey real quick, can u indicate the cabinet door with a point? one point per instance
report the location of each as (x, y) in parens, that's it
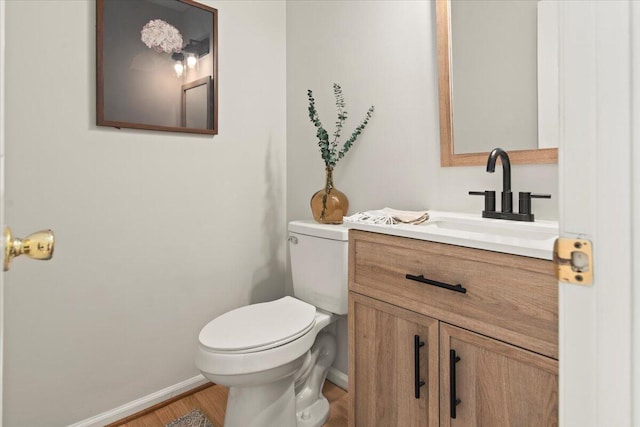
(386, 358)
(496, 384)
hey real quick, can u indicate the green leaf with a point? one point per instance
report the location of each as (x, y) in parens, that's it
(329, 150)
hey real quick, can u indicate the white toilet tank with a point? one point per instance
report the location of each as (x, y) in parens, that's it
(319, 260)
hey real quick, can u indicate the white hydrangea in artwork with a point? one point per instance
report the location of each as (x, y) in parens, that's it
(161, 36)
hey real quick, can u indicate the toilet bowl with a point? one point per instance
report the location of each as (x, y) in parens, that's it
(274, 356)
(261, 374)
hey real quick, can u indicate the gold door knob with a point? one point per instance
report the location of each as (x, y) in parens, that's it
(38, 245)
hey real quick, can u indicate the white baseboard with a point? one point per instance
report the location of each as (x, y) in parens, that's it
(141, 404)
(339, 378)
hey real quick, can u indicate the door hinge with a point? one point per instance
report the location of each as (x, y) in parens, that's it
(573, 259)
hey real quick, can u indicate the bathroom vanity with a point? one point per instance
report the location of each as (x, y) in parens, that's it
(447, 331)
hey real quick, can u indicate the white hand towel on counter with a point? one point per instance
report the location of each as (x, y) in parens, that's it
(388, 216)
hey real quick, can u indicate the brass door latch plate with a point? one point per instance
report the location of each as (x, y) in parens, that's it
(573, 259)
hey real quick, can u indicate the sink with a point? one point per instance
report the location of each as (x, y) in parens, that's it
(533, 239)
(530, 231)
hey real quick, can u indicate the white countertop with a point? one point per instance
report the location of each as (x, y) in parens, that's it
(531, 239)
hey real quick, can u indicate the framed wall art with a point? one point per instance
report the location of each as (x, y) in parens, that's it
(148, 52)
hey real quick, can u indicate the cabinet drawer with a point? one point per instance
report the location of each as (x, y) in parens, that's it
(508, 297)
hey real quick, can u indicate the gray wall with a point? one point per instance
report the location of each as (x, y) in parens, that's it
(383, 53)
(157, 233)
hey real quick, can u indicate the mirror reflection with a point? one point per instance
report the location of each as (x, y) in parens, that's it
(196, 105)
(149, 51)
(498, 74)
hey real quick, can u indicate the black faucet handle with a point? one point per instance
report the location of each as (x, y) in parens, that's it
(524, 200)
(489, 199)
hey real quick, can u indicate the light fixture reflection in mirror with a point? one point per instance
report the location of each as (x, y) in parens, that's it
(178, 65)
(147, 50)
(192, 61)
(474, 49)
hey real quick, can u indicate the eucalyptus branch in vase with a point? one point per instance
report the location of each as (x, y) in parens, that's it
(329, 148)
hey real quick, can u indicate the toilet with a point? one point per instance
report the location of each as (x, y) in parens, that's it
(274, 356)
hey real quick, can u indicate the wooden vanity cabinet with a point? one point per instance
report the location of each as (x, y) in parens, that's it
(395, 349)
(497, 384)
(493, 346)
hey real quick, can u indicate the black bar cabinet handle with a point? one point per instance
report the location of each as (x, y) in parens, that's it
(456, 288)
(416, 364)
(453, 359)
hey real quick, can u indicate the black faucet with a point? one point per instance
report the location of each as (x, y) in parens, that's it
(506, 209)
(507, 197)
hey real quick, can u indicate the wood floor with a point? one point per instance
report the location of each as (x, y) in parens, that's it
(212, 401)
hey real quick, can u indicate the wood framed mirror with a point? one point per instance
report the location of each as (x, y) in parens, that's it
(147, 51)
(511, 104)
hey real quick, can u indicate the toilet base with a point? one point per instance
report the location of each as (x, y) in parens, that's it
(261, 399)
(259, 406)
(312, 408)
(315, 415)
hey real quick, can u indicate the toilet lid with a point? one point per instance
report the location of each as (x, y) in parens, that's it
(259, 327)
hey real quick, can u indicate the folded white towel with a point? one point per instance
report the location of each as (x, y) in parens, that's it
(388, 216)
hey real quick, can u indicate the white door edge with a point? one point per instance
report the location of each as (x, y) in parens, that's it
(635, 132)
(595, 322)
(2, 224)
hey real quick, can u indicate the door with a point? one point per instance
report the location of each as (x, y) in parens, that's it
(393, 377)
(598, 162)
(485, 382)
(38, 245)
(2, 56)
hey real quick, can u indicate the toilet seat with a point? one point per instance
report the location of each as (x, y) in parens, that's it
(258, 327)
(219, 364)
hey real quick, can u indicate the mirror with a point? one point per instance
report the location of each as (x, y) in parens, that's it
(157, 65)
(498, 80)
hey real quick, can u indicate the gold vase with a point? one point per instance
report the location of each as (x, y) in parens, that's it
(329, 205)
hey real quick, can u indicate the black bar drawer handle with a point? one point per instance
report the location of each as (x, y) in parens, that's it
(422, 279)
(416, 364)
(453, 359)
